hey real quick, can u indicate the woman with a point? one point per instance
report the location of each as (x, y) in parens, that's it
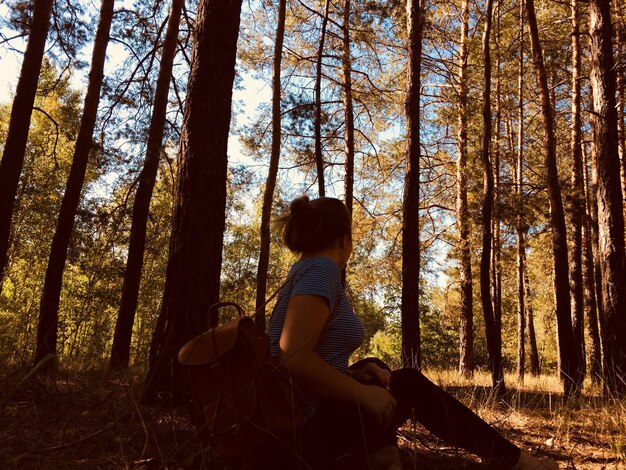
(354, 412)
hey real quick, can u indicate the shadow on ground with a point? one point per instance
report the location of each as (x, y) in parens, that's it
(96, 421)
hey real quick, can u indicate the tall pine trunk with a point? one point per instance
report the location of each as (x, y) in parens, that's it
(411, 354)
(272, 174)
(592, 203)
(576, 200)
(496, 268)
(568, 358)
(609, 196)
(494, 347)
(535, 365)
(348, 108)
(49, 307)
(591, 300)
(466, 334)
(120, 351)
(17, 134)
(192, 280)
(519, 220)
(346, 67)
(319, 156)
(621, 93)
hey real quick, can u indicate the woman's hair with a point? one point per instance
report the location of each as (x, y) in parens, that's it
(313, 225)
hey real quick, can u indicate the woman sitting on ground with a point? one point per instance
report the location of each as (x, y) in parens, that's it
(354, 412)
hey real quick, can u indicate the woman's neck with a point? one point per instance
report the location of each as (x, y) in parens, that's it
(333, 254)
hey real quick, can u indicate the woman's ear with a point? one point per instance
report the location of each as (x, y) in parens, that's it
(345, 243)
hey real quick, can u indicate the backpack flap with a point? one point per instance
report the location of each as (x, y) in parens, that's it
(209, 346)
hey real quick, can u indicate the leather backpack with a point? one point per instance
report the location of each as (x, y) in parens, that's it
(240, 393)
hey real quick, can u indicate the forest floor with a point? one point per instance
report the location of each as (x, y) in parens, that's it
(95, 420)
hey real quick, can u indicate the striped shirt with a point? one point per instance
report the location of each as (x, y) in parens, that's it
(343, 332)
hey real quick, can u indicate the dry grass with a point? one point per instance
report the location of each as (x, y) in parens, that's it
(589, 434)
(93, 421)
(96, 421)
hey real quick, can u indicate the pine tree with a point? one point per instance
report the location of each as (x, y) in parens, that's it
(567, 353)
(410, 207)
(15, 144)
(609, 197)
(120, 351)
(195, 254)
(49, 308)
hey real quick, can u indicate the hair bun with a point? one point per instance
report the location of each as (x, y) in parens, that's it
(299, 205)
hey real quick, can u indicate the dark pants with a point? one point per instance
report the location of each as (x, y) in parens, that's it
(341, 435)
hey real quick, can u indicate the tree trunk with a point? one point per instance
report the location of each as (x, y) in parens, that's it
(576, 200)
(621, 133)
(348, 108)
(49, 308)
(568, 357)
(493, 346)
(496, 253)
(591, 300)
(411, 356)
(609, 196)
(535, 365)
(192, 281)
(120, 351)
(466, 334)
(17, 134)
(519, 221)
(272, 174)
(346, 65)
(319, 157)
(594, 229)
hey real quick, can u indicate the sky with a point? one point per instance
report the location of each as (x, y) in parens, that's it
(251, 94)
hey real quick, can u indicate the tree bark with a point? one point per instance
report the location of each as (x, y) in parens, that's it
(496, 267)
(535, 365)
(346, 66)
(192, 281)
(621, 92)
(466, 334)
(591, 300)
(272, 174)
(49, 307)
(493, 345)
(17, 134)
(519, 221)
(576, 199)
(411, 355)
(348, 108)
(609, 196)
(319, 157)
(120, 351)
(568, 358)
(594, 231)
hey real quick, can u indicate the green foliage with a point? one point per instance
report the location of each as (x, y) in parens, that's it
(92, 281)
(49, 151)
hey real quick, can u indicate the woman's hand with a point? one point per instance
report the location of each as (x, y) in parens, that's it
(378, 402)
(372, 373)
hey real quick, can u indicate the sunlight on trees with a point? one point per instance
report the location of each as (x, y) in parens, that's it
(339, 75)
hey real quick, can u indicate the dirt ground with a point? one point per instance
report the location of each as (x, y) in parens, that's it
(96, 421)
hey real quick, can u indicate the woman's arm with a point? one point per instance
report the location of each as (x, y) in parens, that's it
(304, 322)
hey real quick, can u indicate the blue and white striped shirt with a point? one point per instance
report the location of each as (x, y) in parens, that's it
(343, 332)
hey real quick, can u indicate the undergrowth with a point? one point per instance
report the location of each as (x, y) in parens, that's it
(96, 420)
